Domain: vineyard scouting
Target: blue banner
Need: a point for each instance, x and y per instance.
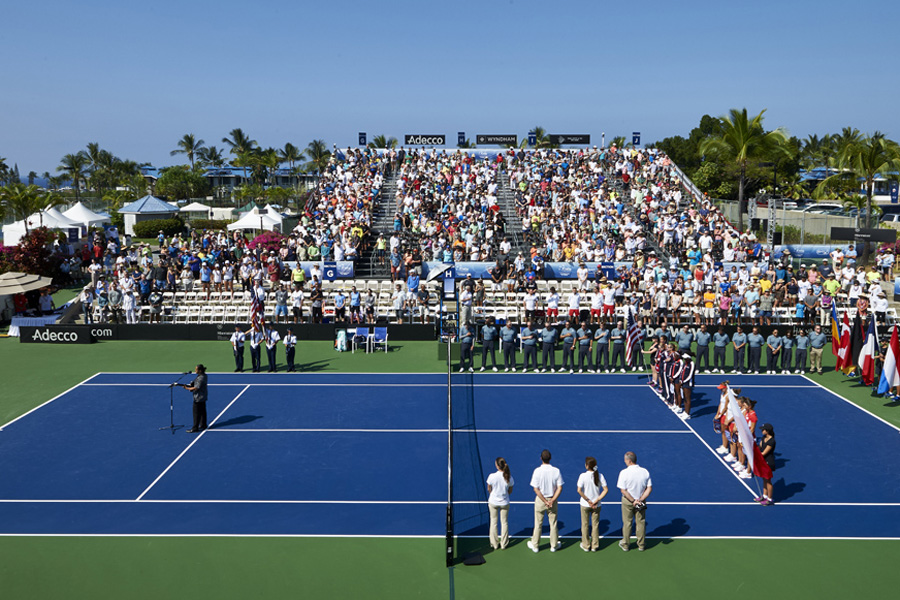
(552, 270)
(345, 268)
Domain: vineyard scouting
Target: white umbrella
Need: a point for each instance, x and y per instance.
(19, 283)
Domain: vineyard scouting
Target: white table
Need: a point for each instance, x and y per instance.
(29, 322)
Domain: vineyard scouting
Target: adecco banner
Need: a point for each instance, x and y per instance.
(423, 139)
(55, 335)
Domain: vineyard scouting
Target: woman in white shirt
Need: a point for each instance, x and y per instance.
(499, 485)
(589, 485)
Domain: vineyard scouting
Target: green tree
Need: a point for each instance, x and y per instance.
(75, 167)
(241, 146)
(180, 183)
(291, 155)
(742, 141)
(382, 141)
(210, 156)
(318, 156)
(22, 200)
(190, 146)
(863, 159)
(31, 177)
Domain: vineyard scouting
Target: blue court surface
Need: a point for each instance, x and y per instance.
(367, 455)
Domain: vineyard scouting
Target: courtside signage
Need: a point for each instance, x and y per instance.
(55, 335)
(423, 139)
(562, 139)
(497, 140)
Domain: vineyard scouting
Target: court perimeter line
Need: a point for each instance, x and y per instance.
(436, 502)
(441, 536)
(434, 385)
(49, 401)
(247, 430)
(871, 414)
(196, 439)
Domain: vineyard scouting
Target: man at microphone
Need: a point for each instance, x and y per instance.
(198, 388)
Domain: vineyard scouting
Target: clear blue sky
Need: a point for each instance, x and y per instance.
(136, 77)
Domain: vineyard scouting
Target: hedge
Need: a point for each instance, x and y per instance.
(212, 224)
(150, 229)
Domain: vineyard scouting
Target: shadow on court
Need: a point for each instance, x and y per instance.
(319, 365)
(783, 490)
(237, 421)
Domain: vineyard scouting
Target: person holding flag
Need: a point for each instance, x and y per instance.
(634, 339)
(757, 463)
(867, 355)
(890, 374)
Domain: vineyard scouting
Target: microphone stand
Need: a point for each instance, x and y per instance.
(172, 426)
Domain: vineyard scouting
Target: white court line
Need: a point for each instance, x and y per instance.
(871, 414)
(475, 431)
(713, 452)
(196, 439)
(441, 536)
(434, 502)
(49, 401)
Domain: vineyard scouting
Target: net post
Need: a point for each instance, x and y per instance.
(449, 535)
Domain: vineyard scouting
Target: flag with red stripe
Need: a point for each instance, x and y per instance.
(633, 337)
(843, 358)
(257, 312)
(890, 374)
(866, 359)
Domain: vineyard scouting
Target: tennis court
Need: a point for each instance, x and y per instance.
(366, 455)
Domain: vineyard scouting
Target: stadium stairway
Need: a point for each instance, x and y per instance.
(506, 200)
(382, 222)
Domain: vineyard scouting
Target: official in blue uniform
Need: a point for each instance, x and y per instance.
(739, 343)
(529, 337)
(488, 343)
(802, 341)
(601, 348)
(508, 341)
(703, 338)
(755, 342)
(720, 343)
(787, 352)
(617, 336)
(583, 339)
(774, 344)
(548, 347)
(567, 335)
(466, 339)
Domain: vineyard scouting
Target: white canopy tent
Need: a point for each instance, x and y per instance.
(272, 212)
(256, 220)
(51, 218)
(82, 214)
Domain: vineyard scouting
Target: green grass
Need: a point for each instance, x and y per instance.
(140, 567)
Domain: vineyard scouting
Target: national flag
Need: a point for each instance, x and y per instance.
(844, 349)
(257, 312)
(760, 467)
(866, 360)
(857, 338)
(743, 429)
(890, 374)
(835, 332)
(632, 337)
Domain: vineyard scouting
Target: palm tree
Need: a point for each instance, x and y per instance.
(743, 140)
(382, 141)
(618, 142)
(75, 166)
(190, 146)
(542, 138)
(318, 154)
(290, 154)
(241, 146)
(25, 200)
(865, 158)
(211, 157)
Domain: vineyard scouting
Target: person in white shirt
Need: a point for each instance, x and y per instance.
(574, 304)
(290, 343)
(499, 485)
(589, 485)
(237, 345)
(547, 483)
(635, 485)
(272, 338)
(129, 305)
(297, 305)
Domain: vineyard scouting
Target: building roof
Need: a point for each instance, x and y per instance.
(148, 205)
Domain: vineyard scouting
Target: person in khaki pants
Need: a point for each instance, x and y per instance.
(817, 345)
(499, 485)
(589, 485)
(547, 482)
(635, 485)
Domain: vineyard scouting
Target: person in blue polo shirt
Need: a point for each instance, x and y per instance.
(508, 346)
(720, 343)
(755, 342)
(466, 339)
(617, 336)
(802, 341)
(702, 338)
(583, 339)
(567, 335)
(684, 338)
(601, 344)
(488, 343)
(548, 347)
(787, 352)
(529, 337)
(739, 345)
(773, 351)
(817, 341)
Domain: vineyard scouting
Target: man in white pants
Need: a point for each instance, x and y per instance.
(547, 482)
(635, 485)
